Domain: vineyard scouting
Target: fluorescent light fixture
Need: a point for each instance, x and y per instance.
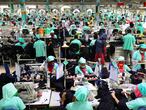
(30, 6)
(4, 6)
(65, 7)
(101, 5)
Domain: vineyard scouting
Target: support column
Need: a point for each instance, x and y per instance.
(82, 4)
(23, 11)
(97, 11)
(12, 7)
(48, 6)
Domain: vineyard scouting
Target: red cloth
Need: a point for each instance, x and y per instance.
(144, 4)
(50, 68)
(142, 56)
(120, 4)
(84, 70)
(137, 92)
(101, 56)
(121, 67)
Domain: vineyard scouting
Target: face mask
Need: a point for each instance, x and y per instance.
(83, 66)
(141, 51)
(120, 65)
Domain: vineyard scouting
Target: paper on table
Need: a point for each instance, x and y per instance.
(97, 69)
(44, 99)
(59, 72)
(17, 68)
(113, 74)
(55, 99)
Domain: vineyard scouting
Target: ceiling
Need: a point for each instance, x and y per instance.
(72, 1)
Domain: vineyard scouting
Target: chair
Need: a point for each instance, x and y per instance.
(74, 48)
(74, 51)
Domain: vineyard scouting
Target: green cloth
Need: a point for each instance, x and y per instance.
(81, 103)
(36, 36)
(40, 48)
(142, 89)
(47, 30)
(135, 104)
(1, 23)
(137, 57)
(85, 20)
(143, 46)
(126, 68)
(73, 26)
(117, 26)
(85, 28)
(76, 41)
(129, 41)
(92, 42)
(9, 99)
(140, 28)
(82, 94)
(137, 18)
(79, 71)
(23, 45)
(65, 62)
(21, 40)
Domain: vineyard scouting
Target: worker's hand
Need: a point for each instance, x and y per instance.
(113, 94)
(79, 77)
(41, 68)
(125, 93)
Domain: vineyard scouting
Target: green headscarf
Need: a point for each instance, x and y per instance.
(50, 58)
(21, 40)
(82, 60)
(142, 89)
(9, 91)
(82, 94)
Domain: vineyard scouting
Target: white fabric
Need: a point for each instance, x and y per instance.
(59, 72)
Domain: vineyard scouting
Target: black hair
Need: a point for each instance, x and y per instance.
(131, 24)
(129, 31)
(138, 31)
(76, 37)
(86, 24)
(95, 35)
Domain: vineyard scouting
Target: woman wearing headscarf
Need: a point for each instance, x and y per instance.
(83, 69)
(81, 100)
(21, 43)
(138, 103)
(121, 69)
(51, 67)
(140, 28)
(139, 56)
(10, 100)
